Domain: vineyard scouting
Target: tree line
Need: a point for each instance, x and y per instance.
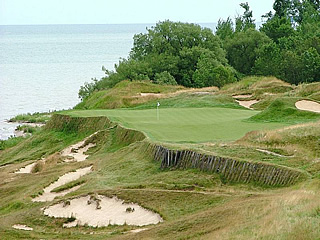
(287, 46)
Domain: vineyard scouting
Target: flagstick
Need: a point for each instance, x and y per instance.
(158, 104)
(157, 112)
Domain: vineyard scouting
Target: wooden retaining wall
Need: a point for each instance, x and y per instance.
(232, 170)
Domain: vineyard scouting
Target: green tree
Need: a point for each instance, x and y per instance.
(268, 61)
(277, 28)
(242, 49)
(164, 78)
(176, 47)
(246, 21)
(224, 29)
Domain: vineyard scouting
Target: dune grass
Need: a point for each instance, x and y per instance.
(185, 124)
(194, 204)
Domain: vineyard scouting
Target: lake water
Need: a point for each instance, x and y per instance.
(43, 66)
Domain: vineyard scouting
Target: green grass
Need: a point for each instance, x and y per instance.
(193, 203)
(284, 110)
(68, 186)
(185, 124)
(32, 118)
(192, 100)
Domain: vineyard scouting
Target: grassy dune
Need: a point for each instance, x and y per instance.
(194, 204)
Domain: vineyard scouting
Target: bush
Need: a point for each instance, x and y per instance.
(164, 78)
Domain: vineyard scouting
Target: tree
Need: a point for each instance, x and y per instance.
(282, 8)
(276, 28)
(245, 22)
(242, 49)
(224, 29)
(164, 78)
(175, 47)
(268, 61)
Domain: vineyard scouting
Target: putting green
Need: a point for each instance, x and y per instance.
(185, 124)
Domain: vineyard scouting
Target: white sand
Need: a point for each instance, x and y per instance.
(308, 106)
(138, 230)
(247, 104)
(66, 178)
(76, 152)
(150, 94)
(112, 211)
(270, 153)
(242, 96)
(26, 169)
(22, 227)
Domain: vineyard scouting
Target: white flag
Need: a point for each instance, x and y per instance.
(158, 104)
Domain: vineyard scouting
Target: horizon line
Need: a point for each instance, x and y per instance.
(47, 24)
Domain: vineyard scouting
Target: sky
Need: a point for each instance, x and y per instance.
(30, 12)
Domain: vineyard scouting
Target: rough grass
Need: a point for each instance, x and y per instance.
(185, 124)
(32, 118)
(258, 86)
(284, 110)
(125, 94)
(194, 204)
(68, 185)
(192, 100)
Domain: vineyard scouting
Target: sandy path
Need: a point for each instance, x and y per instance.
(247, 104)
(308, 106)
(66, 178)
(76, 152)
(22, 227)
(26, 169)
(270, 153)
(110, 211)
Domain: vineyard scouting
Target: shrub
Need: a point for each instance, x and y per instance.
(164, 78)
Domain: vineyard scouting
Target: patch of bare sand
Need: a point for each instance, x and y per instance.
(270, 153)
(247, 104)
(77, 151)
(26, 169)
(66, 178)
(307, 105)
(205, 90)
(102, 211)
(151, 94)
(22, 227)
(138, 230)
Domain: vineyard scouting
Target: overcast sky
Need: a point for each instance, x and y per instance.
(17, 12)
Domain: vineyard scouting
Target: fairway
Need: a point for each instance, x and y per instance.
(185, 124)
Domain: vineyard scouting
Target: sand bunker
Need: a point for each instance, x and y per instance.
(76, 152)
(101, 211)
(247, 104)
(150, 94)
(66, 178)
(26, 169)
(22, 227)
(308, 106)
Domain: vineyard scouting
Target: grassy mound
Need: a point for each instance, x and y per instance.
(284, 110)
(257, 86)
(125, 94)
(311, 91)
